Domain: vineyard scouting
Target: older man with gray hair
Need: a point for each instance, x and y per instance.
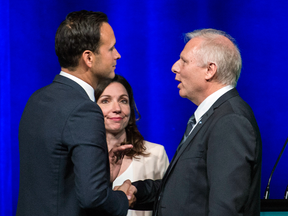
(217, 167)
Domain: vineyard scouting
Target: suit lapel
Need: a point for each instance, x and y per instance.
(203, 120)
(188, 141)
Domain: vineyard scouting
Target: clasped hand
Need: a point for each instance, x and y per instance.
(130, 191)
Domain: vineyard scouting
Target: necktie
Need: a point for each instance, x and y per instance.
(190, 125)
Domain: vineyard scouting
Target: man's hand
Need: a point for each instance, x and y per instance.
(130, 191)
(116, 155)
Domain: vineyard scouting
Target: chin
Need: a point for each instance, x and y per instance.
(112, 75)
(115, 130)
(182, 94)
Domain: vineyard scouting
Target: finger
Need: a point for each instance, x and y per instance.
(124, 148)
(125, 186)
(131, 192)
(120, 149)
(132, 202)
(116, 188)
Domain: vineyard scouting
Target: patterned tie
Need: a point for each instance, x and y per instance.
(190, 125)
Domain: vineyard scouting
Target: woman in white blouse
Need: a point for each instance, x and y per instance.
(146, 160)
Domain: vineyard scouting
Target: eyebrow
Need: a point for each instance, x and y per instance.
(183, 58)
(113, 45)
(105, 96)
(126, 95)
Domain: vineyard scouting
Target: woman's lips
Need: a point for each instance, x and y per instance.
(116, 118)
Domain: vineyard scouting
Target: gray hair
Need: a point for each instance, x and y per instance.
(213, 50)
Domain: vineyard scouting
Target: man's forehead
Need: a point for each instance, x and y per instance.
(107, 34)
(193, 43)
(190, 47)
(105, 29)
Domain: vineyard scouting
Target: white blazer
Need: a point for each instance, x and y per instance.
(149, 167)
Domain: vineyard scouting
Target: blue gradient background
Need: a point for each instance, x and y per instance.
(150, 38)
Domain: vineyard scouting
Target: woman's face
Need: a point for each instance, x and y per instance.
(114, 102)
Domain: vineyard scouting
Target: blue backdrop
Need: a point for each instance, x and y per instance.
(150, 38)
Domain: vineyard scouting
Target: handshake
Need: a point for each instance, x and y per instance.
(130, 191)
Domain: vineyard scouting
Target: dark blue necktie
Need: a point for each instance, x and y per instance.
(191, 123)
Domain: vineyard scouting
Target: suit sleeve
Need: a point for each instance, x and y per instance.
(231, 154)
(84, 134)
(146, 193)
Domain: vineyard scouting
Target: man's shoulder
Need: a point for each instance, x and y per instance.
(60, 96)
(234, 108)
(232, 101)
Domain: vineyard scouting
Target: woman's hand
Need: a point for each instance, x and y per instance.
(116, 155)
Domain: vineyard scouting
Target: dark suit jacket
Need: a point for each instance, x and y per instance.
(64, 167)
(216, 171)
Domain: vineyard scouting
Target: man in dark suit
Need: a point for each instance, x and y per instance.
(216, 169)
(64, 166)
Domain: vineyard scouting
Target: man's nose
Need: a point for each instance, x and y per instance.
(117, 54)
(175, 67)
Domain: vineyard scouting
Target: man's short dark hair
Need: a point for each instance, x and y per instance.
(80, 31)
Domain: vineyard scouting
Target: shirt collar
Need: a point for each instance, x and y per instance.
(209, 101)
(88, 89)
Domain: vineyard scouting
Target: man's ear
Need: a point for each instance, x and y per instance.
(211, 71)
(87, 58)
